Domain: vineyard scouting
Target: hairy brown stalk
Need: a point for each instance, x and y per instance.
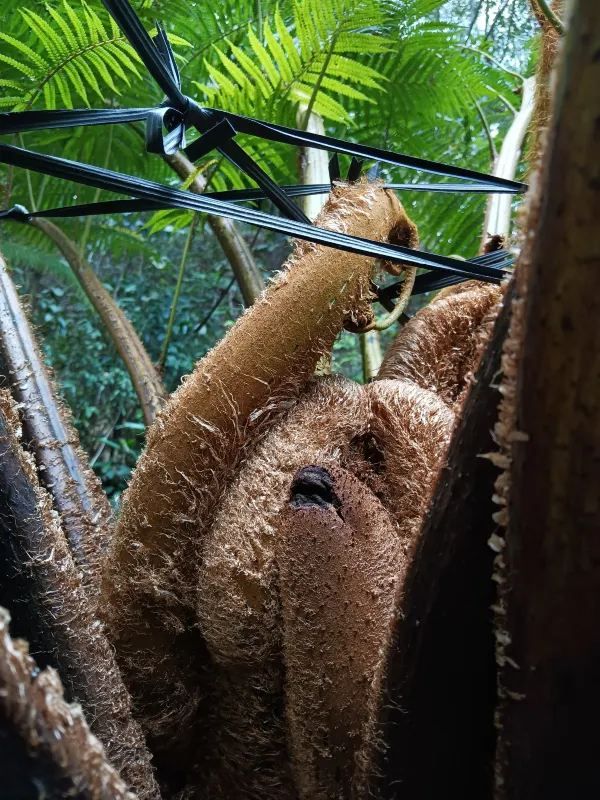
(238, 602)
(235, 247)
(43, 589)
(46, 746)
(391, 435)
(340, 560)
(549, 47)
(548, 565)
(439, 348)
(49, 433)
(193, 450)
(142, 372)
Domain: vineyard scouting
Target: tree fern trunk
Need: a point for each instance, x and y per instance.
(550, 566)
(49, 434)
(46, 747)
(43, 590)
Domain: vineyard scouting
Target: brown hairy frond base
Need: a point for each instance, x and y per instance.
(49, 433)
(46, 747)
(43, 589)
(340, 560)
(194, 448)
(241, 693)
(440, 347)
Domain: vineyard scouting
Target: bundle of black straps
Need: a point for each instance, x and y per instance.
(166, 127)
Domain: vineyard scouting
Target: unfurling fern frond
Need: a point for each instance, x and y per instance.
(70, 57)
(310, 64)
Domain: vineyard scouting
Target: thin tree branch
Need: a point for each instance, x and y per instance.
(142, 372)
(231, 240)
(184, 256)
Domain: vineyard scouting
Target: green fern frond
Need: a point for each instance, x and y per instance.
(311, 63)
(71, 57)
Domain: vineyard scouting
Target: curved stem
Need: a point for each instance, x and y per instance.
(382, 324)
(544, 8)
(486, 129)
(117, 326)
(493, 59)
(176, 294)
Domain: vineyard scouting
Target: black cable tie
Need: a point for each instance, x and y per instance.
(23, 121)
(211, 140)
(160, 120)
(163, 45)
(175, 198)
(17, 213)
(355, 169)
(285, 135)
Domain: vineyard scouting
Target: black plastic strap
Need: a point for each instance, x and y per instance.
(160, 120)
(217, 129)
(176, 198)
(202, 120)
(280, 133)
(23, 121)
(433, 281)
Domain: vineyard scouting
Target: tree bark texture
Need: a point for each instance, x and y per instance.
(49, 434)
(42, 588)
(438, 721)
(549, 645)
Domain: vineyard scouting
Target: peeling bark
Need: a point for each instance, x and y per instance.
(48, 433)
(141, 370)
(549, 573)
(42, 588)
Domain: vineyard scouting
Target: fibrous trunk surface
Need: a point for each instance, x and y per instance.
(44, 592)
(548, 567)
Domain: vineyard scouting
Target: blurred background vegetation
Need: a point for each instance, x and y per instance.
(433, 78)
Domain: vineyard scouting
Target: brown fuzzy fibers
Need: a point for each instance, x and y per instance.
(44, 591)
(411, 429)
(393, 433)
(49, 433)
(238, 604)
(440, 347)
(65, 758)
(240, 385)
(340, 560)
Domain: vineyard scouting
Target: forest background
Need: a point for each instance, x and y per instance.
(440, 79)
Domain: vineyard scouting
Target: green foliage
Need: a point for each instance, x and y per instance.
(432, 78)
(311, 63)
(66, 54)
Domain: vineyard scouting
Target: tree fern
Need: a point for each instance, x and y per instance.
(71, 55)
(312, 64)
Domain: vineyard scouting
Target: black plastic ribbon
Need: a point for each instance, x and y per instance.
(176, 198)
(165, 134)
